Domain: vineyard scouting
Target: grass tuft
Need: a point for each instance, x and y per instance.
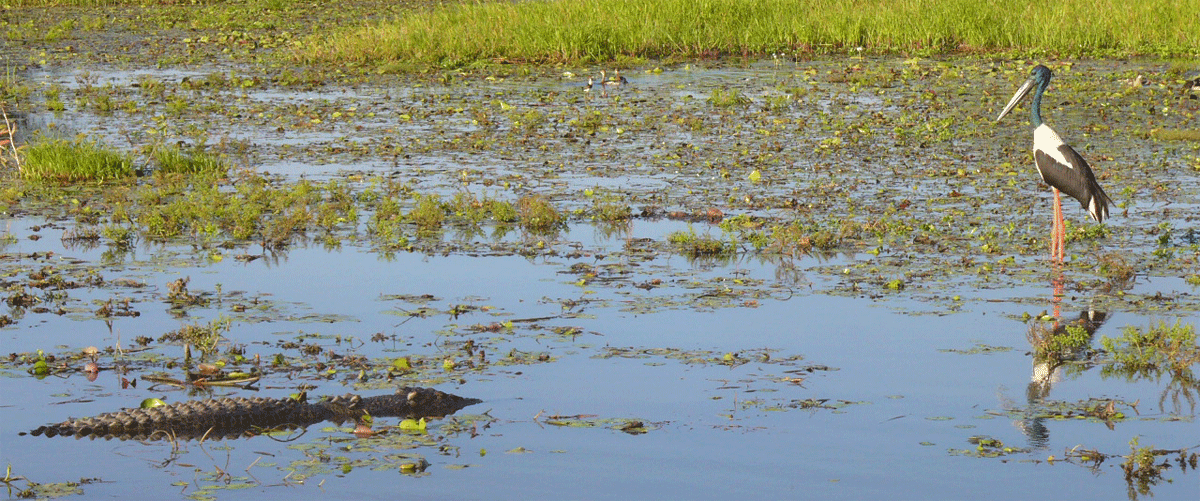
(63, 161)
(172, 160)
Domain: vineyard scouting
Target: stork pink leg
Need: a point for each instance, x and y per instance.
(1059, 231)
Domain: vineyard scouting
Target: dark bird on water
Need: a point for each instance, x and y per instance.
(1060, 166)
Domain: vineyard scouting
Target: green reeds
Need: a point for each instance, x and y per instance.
(589, 31)
(74, 161)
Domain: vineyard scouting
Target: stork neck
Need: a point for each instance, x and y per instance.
(1035, 111)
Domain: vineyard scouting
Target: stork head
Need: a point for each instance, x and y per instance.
(1039, 77)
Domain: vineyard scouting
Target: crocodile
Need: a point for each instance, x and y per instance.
(244, 417)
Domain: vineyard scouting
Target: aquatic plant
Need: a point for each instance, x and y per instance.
(205, 337)
(692, 244)
(173, 160)
(724, 98)
(1054, 343)
(73, 161)
(1161, 348)
(536, 214)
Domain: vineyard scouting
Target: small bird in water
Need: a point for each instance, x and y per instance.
(588, 87)
(617, 79)
(1060, 166)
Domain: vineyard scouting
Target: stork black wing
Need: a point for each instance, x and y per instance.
(1076, 180)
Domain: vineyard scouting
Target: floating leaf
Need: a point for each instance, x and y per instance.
(41, 368)
(413, 425)
(152, 402)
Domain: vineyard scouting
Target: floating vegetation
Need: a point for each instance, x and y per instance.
(988, 447)
(692, 244)
(1160, 349)
(206, 338)
(625, 425)
(536, 214)
(724, 98)
(793, 184)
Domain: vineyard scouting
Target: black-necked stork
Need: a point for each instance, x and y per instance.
(1060, 166)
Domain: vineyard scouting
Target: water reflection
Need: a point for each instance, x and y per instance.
(1054, 345)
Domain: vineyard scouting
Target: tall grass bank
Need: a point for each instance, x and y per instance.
(587, 31)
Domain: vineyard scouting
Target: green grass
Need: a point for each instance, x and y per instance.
(172, 160)
(79, 160)
(1176, 134)
(584, 31)
(1161, 348)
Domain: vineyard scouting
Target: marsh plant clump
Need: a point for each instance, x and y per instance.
(815, 175)
(173, 160)
(74, 161)
(1055, 343)
(693, 244)
(538, 215)
(1160, 349)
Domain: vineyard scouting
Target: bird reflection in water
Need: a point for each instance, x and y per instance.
(1048, 364)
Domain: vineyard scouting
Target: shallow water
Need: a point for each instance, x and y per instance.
(760, 376)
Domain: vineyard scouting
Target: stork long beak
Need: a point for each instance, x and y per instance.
(1021, 93)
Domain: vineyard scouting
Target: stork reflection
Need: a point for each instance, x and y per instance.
(1054, 344)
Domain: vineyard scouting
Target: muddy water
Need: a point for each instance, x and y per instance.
(614, 367)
